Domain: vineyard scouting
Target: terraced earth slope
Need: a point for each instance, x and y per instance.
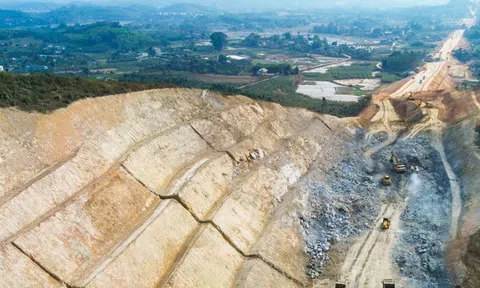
(162, 188)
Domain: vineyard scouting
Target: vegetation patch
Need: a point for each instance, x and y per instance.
(282, 90)
(388, 78)
(402, 61)
(45, 93)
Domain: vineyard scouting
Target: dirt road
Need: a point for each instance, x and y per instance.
(456, 192)
(368, 262)
(422, 81)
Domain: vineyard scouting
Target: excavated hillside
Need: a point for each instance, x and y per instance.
(170, 188)
(189, 188)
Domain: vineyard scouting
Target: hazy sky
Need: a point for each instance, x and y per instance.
(262, 4)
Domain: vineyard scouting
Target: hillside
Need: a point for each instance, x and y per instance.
(190, 188)
(12, 18)
(188, 8)
(135, 189)
(87, 13)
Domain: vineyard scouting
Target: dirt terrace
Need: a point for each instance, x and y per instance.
(173, 188)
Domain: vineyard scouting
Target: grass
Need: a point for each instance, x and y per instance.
(45, 93)
(388, 78)
(280, 90)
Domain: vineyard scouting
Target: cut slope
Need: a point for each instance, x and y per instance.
(163, 187)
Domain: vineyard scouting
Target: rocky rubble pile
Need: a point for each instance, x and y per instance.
(345, 191)
(420, 249)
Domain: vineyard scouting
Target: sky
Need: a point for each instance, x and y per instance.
(261, 4)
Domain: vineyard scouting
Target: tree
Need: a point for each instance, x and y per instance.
(222, 59)
(377, 32)
(252, 40)
(218, 40)
(288, 36)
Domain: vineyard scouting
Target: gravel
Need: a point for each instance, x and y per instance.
(344, 190)
(420, 249)
(345, 202)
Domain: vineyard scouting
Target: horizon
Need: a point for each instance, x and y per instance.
(247, 5)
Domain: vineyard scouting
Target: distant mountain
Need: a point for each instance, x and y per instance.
(189, 8)
(11, 18)
(88, 13)
(461, 2)
(31, 7)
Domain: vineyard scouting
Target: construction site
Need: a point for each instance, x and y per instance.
(189, 188)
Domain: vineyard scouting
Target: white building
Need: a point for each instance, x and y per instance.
(262, 72)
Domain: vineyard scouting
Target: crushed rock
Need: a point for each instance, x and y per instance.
(345, 201)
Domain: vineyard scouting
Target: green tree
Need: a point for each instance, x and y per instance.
(219, 40)
(252, 40)
(222, 59)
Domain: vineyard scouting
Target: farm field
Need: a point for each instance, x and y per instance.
(323, 70)
(366, 84)
(327, 90)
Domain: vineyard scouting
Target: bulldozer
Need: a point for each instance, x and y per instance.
(387, 180)
(398, 166)
(386, 223)
(388, 283)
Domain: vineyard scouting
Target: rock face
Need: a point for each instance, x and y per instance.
(173, 188)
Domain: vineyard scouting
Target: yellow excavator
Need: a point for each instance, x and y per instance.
(398, 166)
(386, 223)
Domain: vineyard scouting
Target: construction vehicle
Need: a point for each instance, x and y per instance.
(387, 180)
(398, 166)
(388, 283)
(340, 285)
(386, 223)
